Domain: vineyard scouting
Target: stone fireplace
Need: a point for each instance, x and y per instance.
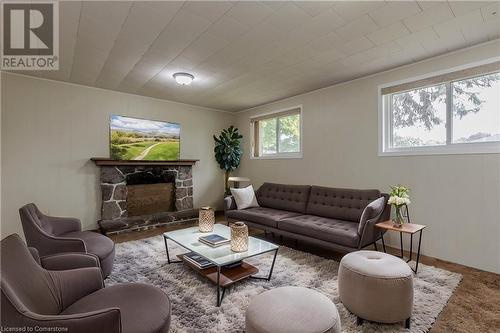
(138, 195)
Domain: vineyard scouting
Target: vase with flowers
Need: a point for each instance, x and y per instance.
(399, 198)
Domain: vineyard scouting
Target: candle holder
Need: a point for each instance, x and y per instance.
(239, 237)
(206, 219)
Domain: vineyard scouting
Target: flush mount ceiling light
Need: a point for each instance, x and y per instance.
(183, 78)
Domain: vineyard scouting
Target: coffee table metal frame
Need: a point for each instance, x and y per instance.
(221, 293)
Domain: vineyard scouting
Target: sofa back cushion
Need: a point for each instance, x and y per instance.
(339, 203)
(292, 198)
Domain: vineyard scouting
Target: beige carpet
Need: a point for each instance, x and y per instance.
(193, 297)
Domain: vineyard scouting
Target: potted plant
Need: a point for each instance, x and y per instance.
(399, 197)
(228, 151)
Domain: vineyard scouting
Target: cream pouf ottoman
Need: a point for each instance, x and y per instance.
(376, 286)
(292, 310)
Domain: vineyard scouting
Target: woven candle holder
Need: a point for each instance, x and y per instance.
(206, 219)
(239, 237)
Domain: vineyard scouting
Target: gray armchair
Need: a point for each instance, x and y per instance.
(74, 300)
(54, 235)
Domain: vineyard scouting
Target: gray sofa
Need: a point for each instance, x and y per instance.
(336, 218)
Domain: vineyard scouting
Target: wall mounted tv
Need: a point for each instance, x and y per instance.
(141, 139)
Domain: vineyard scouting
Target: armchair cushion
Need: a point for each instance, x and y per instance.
(69, 260)
(143, 308)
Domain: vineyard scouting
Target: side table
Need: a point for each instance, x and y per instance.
(406, 228)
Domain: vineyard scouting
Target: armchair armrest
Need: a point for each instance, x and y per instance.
(106, 320)
(76, 283)
(69, 260)
(63, 225)
(48, 244)
(370, 216)
(35, 254)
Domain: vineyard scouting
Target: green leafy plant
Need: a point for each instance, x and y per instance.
(228, 151)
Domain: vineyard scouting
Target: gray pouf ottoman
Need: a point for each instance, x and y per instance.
(376, 286)
(292, 310)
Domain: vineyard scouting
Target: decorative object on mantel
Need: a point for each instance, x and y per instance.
(206, 219)
(237, 180)
(400, 199)
(239, 237)
(228, 152)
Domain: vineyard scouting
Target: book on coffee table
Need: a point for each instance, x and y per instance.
(197, 260)
(214, 240)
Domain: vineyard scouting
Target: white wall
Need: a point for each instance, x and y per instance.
(456, 196)
(51, 129)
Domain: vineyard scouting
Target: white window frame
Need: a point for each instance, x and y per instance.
(385, 122)
(278, 155)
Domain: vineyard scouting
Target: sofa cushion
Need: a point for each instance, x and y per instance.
(261, 215)
(244, 197)
(330, 230)
(339, 203)
(292, 198)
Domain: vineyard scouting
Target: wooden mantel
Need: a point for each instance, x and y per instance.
(103, 161)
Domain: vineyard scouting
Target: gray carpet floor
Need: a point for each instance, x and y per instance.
(193, 297)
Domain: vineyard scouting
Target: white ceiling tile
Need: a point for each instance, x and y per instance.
(211, 10)
(227, 28)
(426, 4)
(323, 23)
(491, 12)
(288, 17)
(394, 11)
(351, 10)
(327, 42)
(462, 7)
(426, 35)
(313, 8)
(357, 28)
(429, 17)
(356, 45)
(388, 33)
(203, 47)
(249, 13)
(458, 24)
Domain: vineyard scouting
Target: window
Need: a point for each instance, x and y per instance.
(456, 112)
(277, 134)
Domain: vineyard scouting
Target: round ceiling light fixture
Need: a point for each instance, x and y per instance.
(183, 78)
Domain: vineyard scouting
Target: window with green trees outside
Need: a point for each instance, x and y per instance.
(277, 134)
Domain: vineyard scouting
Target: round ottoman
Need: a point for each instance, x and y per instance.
(376, 286)
(292, 310)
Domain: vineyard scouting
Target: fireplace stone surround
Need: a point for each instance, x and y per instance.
(116, 175)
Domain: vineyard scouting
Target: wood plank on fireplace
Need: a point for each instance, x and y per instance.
(103, 161)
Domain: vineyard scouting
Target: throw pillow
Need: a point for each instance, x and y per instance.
(371, 211)
(244, 197)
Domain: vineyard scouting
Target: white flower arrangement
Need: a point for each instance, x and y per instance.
(399, 196)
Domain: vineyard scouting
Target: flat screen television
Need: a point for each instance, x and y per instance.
(142, 139)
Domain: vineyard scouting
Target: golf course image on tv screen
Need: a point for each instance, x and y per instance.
(141, 139)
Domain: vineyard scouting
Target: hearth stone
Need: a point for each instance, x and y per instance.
(110, 209)
(145, 222)
(107, 192)
(120, 192)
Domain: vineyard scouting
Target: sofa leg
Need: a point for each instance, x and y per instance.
(359, 321)
(407, 323)
(375, 245)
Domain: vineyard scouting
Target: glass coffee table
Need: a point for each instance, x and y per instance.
(221, 256)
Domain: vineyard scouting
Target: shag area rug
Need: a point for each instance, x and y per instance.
(193, 297)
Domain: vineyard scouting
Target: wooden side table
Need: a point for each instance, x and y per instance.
(406, 228)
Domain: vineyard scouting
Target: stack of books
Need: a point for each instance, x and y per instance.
(197, 260)
(214, 240)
